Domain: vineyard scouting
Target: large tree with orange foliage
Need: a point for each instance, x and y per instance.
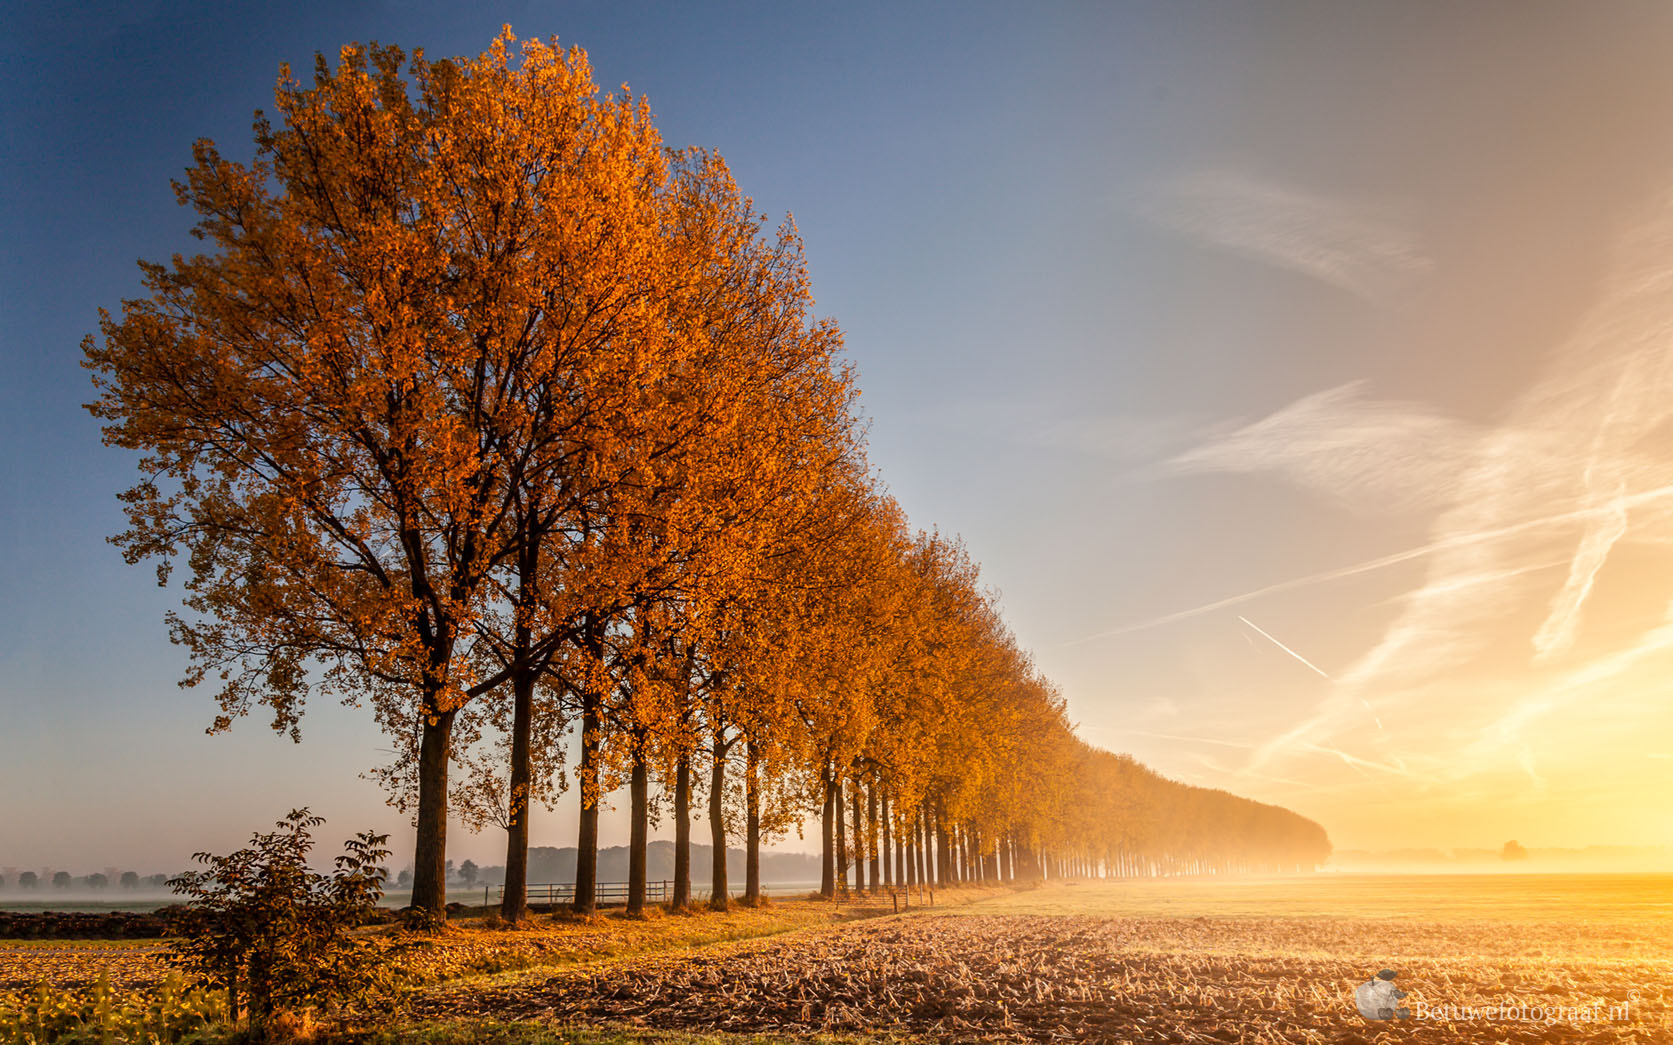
(479, 391)
(438, 286)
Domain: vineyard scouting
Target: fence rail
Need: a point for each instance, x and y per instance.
(553, 893)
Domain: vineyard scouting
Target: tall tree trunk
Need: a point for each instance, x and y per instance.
(919, 837)
(429, 874)
(841, 840)
(871, 837)
(946, 869)
(827, 844)
(514, 901)
(885, 846)
(752, 826)
(717, 820)
(586, 846)
(859, 840)
(903, 879)
(682, 833)
(902, 875)
(638, 834)
(926, 866)
(514, 896)
(592, 727)
(955, 845)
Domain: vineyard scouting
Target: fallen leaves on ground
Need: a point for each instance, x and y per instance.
(73, 965)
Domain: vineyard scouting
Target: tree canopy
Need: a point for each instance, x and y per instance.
(488, 411)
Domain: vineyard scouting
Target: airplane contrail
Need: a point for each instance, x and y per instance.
(1382, 562)
(1286, 649)
(1322, 674)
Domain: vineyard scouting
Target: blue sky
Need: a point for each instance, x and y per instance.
(1156, 304)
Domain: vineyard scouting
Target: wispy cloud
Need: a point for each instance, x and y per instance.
(1451, 583)
(1356, 246)
(1243, 745)
(1368, 455)
(1520, 629)
(1575, 441)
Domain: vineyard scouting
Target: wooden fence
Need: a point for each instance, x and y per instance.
(554, 893)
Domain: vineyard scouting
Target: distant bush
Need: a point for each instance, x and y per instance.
(85, 925)
(61, 880)
(97, 881)
(28, 880)
(130, 879)
(273, 934)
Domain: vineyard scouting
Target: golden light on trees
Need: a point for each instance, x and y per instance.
(485, 409)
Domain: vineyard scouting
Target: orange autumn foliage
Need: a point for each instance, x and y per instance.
(486, 410)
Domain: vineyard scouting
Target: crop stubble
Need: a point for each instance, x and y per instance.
(1009, 978)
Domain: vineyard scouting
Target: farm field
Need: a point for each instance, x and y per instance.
(1271, 961)
(1573, 958)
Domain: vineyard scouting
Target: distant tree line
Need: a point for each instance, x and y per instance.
(96, 880)
(492, 413)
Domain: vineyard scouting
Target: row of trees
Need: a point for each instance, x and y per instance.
(492, 413)
(96, 880)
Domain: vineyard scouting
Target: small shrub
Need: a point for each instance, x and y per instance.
(273, 934)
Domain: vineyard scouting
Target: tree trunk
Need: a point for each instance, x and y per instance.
(859, 840)
(909, 843)
(682, 833)
(919, 838)
(717, 821)
(638, 833)
(514, 901)
(827, 846)
(839, 813)
(903, 877)
(872, 845)
(946, 870)
(885, 846)
(752, 827)
(586, 856)
(429, 864)
(903, 863)
(926, 866)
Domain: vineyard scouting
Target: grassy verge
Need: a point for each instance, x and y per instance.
(86, 996)
(478, 946)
